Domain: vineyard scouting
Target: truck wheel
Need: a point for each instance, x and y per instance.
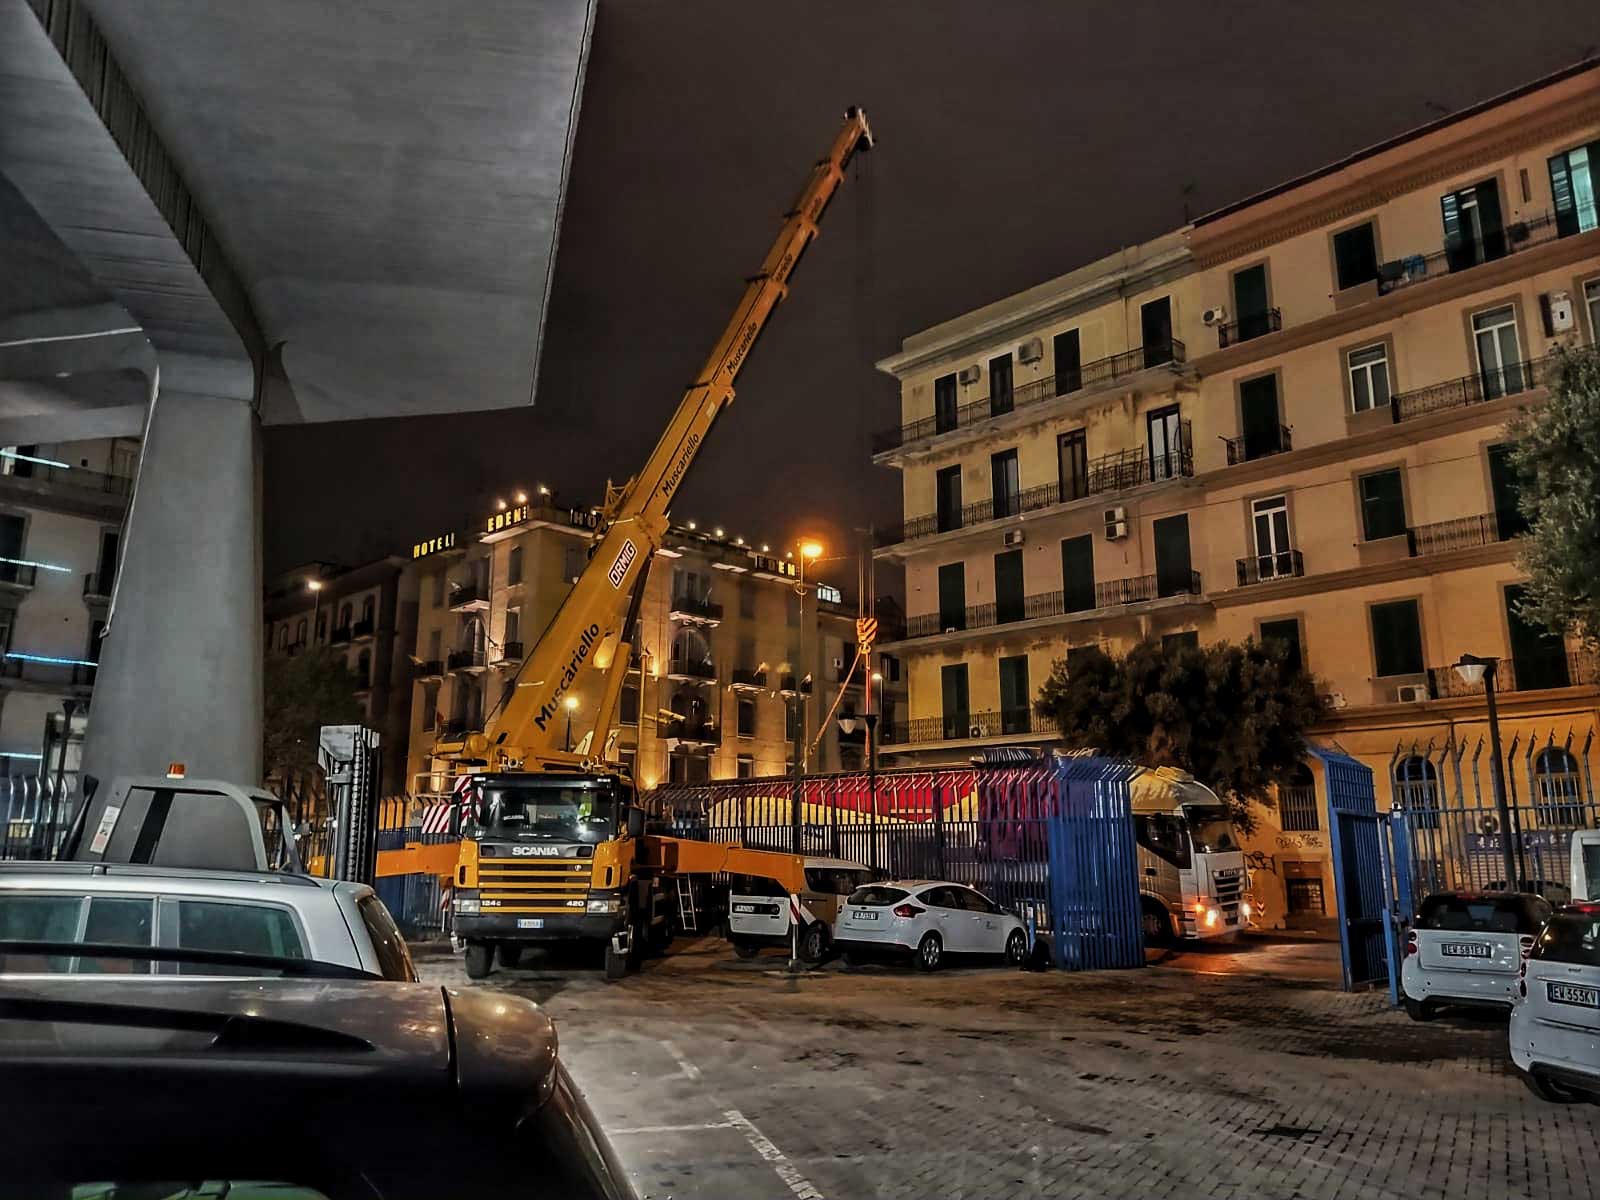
(814, 942)
(510, 955)
(480, 960)
(616, 964)
(930, 952)
(746, 949)
(1157, 925)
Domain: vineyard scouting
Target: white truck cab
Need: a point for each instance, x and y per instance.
(1191, 866)
(759, 910)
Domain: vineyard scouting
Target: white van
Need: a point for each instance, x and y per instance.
(758, 909)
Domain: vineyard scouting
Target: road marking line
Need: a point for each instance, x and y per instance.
(688, 1068)
(643, 1129)
(762, 1145)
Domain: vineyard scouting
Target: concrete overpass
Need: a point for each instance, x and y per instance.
(214, 216)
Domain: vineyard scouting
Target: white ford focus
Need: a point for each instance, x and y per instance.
(929, 920)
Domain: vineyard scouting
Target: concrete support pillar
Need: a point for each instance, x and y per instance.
(180, 668)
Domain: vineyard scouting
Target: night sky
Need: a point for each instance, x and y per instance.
(1016, 142)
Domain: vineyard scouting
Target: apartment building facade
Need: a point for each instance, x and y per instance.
(61, 514)
(368, 615)
(723, 649)
(1285, 421)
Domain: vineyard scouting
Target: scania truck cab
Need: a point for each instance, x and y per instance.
(1191, 866)
(549, 858)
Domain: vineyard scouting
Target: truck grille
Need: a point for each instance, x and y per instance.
(1228, 890)
(521, 885)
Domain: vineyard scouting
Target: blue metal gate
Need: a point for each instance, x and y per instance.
(1360, 870)
(1094, 878)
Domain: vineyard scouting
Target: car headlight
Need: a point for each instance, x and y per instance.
(468, 907)
(605, 906)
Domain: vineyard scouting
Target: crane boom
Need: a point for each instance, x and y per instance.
(574, 670)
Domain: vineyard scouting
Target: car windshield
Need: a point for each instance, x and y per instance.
(548, 812)
(1570, 938)
(876, 896)
(1483, 914)
(1210, 828)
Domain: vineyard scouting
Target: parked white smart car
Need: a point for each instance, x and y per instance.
(930, 920)
(1555, 1026)
(1467, 948)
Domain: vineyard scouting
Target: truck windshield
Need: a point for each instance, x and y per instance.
(1210, 828)
(549, 813)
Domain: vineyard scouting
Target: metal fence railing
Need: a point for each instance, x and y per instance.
(1105, 593)
(1451, 833)
(35, 815)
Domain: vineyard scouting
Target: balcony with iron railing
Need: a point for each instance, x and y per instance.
(1466, 253)
(968, 726)
(1102, 372)
(748, 679)
(697, 609)
(1264, 568)
(362, 630)
(1509, 379)
(510, 654)
(1248, 327)
(1263, 443)
(1119, 471)
(340, 635)
(1107, 594)
(698, 670)
(432, 668)
(465, 660)
(18, 574)
(47, 671)
(464, 597)
(1557, 667)
(62, 475)
(1464, 533)
(694, 733)
(97, 586)
(789, 686)
(452, 731)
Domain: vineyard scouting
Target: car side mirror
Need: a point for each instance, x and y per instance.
(635, 821)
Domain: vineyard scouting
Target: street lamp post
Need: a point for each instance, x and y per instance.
(571, 705)
(314, 586)
(1474, 669)
(810, 549)
(847, 724)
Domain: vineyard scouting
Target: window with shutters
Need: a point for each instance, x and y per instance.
(944, 403)
(1286, 633)
(1494, 335)
(514, 565)
(1355, 256)
(1473, 232)
(628, 704)
(1572, 185)
(1397, 638)
(1383, 505)
(1069, 362)
(747, 718)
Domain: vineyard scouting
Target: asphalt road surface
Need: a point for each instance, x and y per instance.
(1235, 1072)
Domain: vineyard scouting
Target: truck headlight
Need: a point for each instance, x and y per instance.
(468, 907)
(1245, 909)
(605, 906)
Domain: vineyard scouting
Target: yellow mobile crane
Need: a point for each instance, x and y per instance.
(554, 848)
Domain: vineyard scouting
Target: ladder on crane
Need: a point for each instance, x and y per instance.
(688, 919)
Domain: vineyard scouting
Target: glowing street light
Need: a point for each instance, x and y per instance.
(314, 586)
(522, 497)
(571, 705)
(1474, 670)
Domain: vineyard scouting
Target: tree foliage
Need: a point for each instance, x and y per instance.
(1234, 715)
(1556, 453)
(304, 692)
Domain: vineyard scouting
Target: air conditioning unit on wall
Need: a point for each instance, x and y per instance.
(975, 731)
(1411, 693)
(1014, 537)
(1031, 350)
(1215, 316)
(968, 375)
(1116, 523)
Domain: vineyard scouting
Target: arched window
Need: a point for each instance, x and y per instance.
(1297, 802)
(1416, 790)
(300, 633)
(1559, 799)
(322, 627)
(344, 616)
(367, 610)
(283, 637)
(514, 565)
(364, 669)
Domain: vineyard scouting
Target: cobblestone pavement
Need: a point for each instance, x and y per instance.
(1240, 1073)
